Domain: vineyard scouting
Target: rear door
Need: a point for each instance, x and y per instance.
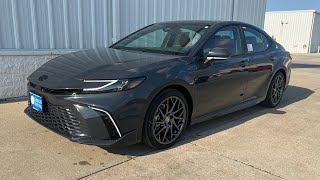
(221, 83)
(261, 61)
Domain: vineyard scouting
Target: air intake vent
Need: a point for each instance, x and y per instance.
(59, 118)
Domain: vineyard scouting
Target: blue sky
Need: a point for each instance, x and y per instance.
(287, 5)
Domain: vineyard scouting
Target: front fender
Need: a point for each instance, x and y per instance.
(154, 92)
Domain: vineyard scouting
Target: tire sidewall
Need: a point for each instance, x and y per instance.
(268, 101)
(148, 137)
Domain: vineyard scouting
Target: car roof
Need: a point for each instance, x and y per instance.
(201, 22)
(189, 22)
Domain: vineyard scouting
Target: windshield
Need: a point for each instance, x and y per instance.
(174, 39)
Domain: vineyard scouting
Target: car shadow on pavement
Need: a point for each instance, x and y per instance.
(292, 95)
(299, 65)
(13, 100)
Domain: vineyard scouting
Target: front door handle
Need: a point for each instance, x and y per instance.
(244, 63)
(272, 58)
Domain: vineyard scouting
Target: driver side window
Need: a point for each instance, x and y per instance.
(228, 37)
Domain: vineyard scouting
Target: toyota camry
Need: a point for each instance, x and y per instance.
(152, 84)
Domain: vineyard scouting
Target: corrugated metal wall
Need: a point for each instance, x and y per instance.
(292, 29)
(251, 11)
(139, 13)
(315, 39)
(55, 24)
(78, 24)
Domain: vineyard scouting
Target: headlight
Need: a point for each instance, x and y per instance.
(100, 86)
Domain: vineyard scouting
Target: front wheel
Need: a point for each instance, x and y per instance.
(166, 119)
(275, 91)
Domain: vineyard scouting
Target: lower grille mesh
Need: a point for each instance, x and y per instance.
(59, 118)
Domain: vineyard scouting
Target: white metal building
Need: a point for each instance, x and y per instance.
(297, 31)
(34, 31)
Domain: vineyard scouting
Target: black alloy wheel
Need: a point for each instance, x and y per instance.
(275, 91)
(166, 119)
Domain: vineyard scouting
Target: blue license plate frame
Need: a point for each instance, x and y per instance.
(36, 101)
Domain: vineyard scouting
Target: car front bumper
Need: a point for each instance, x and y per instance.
(108, 119)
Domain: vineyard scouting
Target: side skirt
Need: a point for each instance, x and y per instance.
(225, 111)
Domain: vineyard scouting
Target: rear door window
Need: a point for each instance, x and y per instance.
(256, 41)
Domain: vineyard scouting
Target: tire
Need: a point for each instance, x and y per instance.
(166, 119)
(275, 91)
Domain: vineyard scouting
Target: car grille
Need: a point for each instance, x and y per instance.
(59, 118)
(56, 91)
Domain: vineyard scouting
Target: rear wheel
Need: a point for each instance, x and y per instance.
(166, 119)
(275, 91)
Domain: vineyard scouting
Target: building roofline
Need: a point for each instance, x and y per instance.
(293, 11)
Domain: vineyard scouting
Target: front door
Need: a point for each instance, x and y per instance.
(222, 83)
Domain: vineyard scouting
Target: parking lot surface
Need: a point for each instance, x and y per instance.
(256, 143)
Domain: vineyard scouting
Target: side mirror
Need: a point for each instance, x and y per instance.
(218, 54)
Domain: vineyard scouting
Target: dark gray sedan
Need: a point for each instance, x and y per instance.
(155, 82)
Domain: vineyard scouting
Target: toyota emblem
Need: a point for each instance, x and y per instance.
(43, 77)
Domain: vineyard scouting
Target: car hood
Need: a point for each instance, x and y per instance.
(69, 71)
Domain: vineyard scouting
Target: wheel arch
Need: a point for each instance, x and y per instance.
(281, 70)
(186, 94)
(179, 86)
(266, 101)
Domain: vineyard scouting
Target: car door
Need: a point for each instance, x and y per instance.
(221, 83)
(261, 59)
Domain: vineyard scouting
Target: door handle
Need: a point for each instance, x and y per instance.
(272, 58)
(244, 62)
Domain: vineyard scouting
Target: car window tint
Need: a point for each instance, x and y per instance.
(189, 34)
(164, 38)
(152, 39)
(228, 37)
(184, 38)
(256, 42)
